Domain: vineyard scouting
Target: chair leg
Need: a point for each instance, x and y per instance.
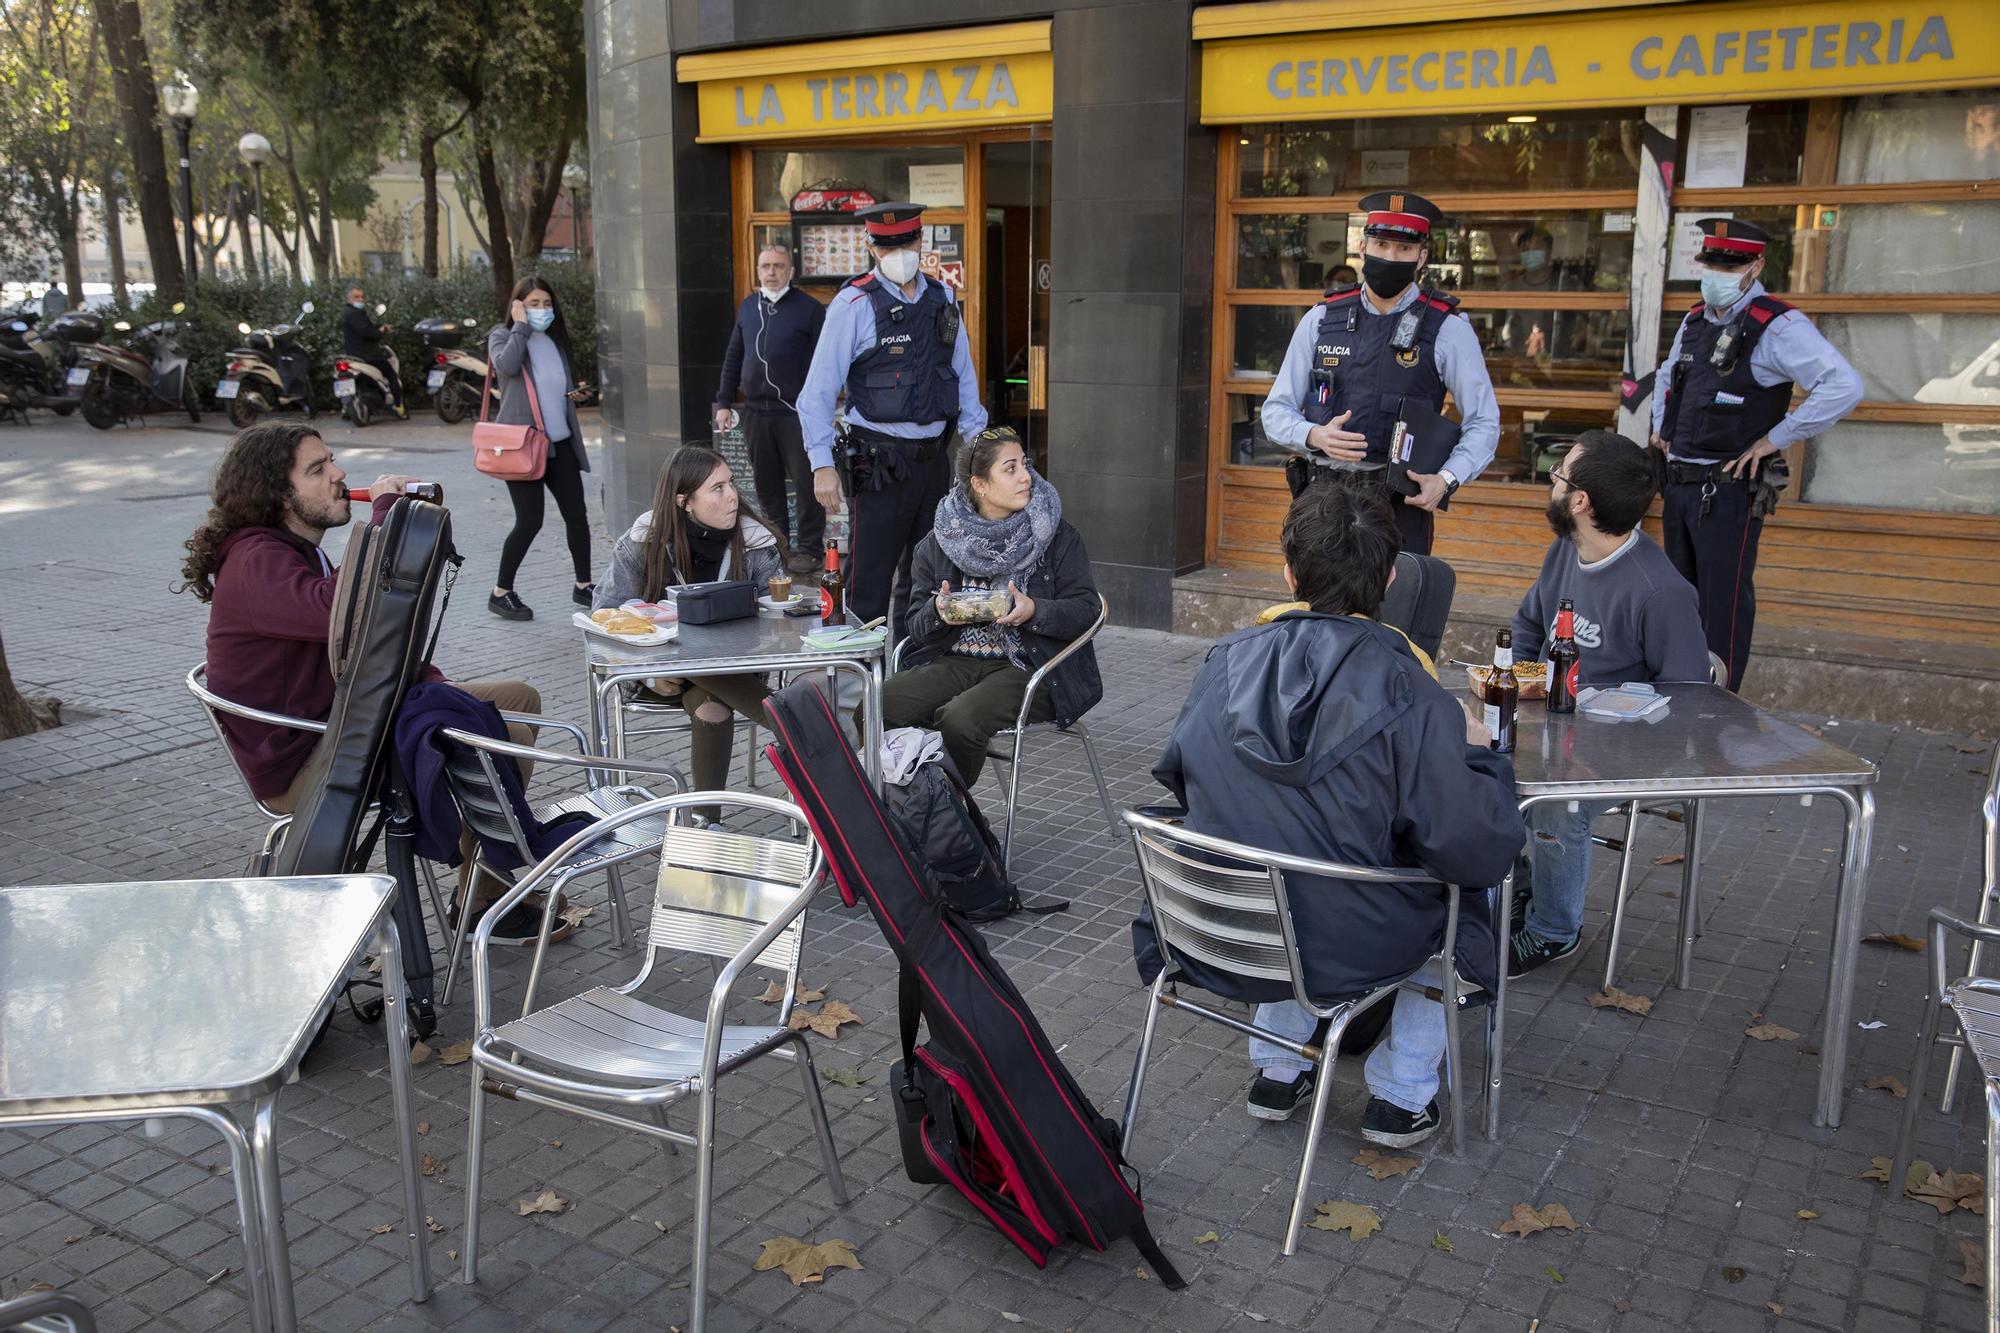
(1454, 1081)
(750, 756)
(1138, 1084)
(429, 872)
(1013, 804)
(1624, 892)
(1322, 1096)
(704, 1200)
(822, 1129)
(621, 910)
(475, 1147)
(549, 902)
(1103, 793)
(1992, 1206)
(1971, 970)
(465, 915)
(660, 1114)
(1934, 1007)
(260, 861)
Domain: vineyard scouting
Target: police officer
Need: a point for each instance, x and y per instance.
(1725, 411)
(894, 341)
(1368, 349)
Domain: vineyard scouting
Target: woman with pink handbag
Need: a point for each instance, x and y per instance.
(534, 440)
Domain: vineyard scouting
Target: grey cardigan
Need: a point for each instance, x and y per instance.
(507, 353)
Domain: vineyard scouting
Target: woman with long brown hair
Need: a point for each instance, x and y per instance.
(531, 347)
(698, 530)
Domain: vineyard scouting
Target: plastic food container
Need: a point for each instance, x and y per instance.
(1533, 677)
(660, 613)
(976, 606)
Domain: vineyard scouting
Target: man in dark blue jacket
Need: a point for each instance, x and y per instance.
(770, 349)
(1321, 735)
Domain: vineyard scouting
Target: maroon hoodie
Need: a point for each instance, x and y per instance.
(267, 631)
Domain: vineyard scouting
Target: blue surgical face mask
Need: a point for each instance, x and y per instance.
(540, 317)
(1534, 258)
(359, 305)
(1721, 290)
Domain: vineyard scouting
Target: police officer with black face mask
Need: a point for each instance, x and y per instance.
(1370, 355)
(894, 341)
(1725, 410)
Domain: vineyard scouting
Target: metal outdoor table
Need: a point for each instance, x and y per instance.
(1710, 745)
(751, 646)
(184, 999)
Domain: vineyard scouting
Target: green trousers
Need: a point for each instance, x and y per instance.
(710, 743)
(965, 700)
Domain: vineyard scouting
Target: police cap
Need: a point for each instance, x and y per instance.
(1398, 215)
(892, 224)
(1731, 242)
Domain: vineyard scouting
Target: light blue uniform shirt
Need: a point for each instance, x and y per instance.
(1461, 365)
(849, 332)
(1790, 350)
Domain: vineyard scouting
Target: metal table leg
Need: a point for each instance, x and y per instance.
(1848, 909)
(396, 1032)
(271, 1206)
(1497, 1020)
(243, 1176)
(1690, 923)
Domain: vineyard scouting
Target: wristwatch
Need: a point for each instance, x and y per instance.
(1450, 482)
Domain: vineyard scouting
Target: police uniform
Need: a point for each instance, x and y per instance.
(906, 369)
(1348, 355)
(1730, 376)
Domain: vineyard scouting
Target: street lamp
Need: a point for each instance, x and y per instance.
(577, 178)
(181, 99)
(255, 149)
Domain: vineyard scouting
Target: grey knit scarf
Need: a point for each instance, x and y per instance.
(999, 549)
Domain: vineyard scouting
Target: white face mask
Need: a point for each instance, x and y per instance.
(898, 266)
(772, 293)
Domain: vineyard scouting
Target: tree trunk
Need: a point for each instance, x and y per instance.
(114, 237)
(139, 110)
(542, 203)
(498, 247)
(20, 714)
(427, 163)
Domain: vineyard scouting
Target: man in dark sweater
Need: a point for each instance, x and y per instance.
(770, 350)
(256, 560)
(1636, 619)
(361, 340)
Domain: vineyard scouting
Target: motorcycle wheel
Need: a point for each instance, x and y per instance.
(246, 407)
(98, 407)
(358, 411)
(191, 400)
(450, 403)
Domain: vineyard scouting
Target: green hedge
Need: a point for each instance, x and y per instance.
(220, 306)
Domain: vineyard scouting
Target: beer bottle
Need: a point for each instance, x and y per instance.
(1502, 693)
(832, 590)
(1564, 661)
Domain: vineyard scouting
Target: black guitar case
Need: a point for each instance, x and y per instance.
(380, 639)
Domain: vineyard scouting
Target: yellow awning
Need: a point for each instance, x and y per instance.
(762, 62)
(1265, 17)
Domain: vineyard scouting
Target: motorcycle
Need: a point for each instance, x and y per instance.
(273, 373)
(363, 390)
(456, 375)
(150, 374)
(38, 366)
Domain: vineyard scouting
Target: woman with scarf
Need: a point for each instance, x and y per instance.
(1000, 527)
(698, 531)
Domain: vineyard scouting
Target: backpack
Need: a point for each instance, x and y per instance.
(985, 1105)
(939, 818)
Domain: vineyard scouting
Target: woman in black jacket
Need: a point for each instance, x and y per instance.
(1002, 528)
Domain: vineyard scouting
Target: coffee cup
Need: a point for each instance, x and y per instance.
(781, 587)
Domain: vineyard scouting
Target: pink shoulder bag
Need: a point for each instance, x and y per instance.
(511, 453)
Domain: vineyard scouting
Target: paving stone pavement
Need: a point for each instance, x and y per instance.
(1684, 1148)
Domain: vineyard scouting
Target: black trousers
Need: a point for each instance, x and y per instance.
(1713, 543)
(1417, 525)
(886, 526)
(778, 453)
(563, 479)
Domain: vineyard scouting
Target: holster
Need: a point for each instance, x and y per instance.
(1298, 474)
(1772, 478)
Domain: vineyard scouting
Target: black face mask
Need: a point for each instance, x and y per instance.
(1387, 277)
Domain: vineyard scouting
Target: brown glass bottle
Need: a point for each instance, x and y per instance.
(1502, 694)
(1563, 660)
(832, 590)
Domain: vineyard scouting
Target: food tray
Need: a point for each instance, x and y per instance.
(975, 606)
(661, 634)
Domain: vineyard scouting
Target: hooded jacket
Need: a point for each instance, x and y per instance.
(1322, 736)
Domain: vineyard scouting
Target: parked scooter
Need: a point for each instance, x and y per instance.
(456, 374)
(38, 364)
(150, 374)
(362, 389)
(272, 374)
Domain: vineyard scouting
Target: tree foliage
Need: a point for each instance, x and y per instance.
(56, 132)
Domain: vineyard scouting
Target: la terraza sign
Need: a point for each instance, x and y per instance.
(928, 94)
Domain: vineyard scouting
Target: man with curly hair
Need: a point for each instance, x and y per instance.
(256, 561)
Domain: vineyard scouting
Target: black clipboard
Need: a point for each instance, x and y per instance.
(1421, 442)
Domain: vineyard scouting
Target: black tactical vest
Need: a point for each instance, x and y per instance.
(1716, 412)
(1355, 364)
(907, 374)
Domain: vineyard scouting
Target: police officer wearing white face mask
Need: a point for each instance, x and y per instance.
(1724, 411)
(895, 343)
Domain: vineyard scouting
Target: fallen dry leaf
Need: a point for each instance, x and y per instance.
(1207, 1238)
(39, 1286)
(1358, 1220)
(1554, 1276)
(1807, 1214)
(1526, 1221)
(432, 1167)
(1946, 1190)
(1775, 1307)
(1888, 1083)
(774, 992)
(659, 1226)
(847, 1076)
(434, 1225)
(827, 1022)
(1974, 1259)
(574, 914)
(423, 1127)
(1771, 1032)
(451, 1254)
(420, 1053)
(1442, 1242)
(1909, 943)
(1613, 998)
(1382, 1165)
(1622, 1306)
(545, 1202)
(1733, 1274)
(374, 966)
(1142, 1275)
(1670, 859)
(382, 1230)
(1970, 749)
(804, 1263)
(457, 1053)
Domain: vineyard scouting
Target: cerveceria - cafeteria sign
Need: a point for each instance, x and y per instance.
(1700, 53)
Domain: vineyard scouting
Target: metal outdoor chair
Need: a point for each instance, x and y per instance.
(999, 747)
(45, 1312)
(610, 1057)
(1419, 599)
(1989, 901)
(1224, 904)
(674, 720)
(1974, 1002)
(1685, 813)
(471, 771)
(214, 704)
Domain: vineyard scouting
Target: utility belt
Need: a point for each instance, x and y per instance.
(870, 460)
(1765, 487)
(1302, 471)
